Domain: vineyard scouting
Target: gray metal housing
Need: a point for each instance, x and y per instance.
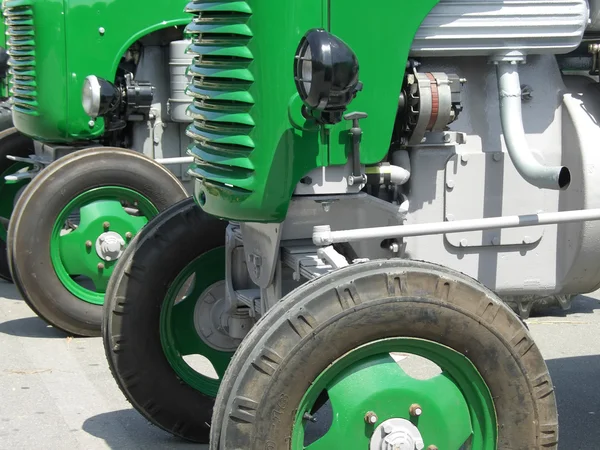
(486, 28)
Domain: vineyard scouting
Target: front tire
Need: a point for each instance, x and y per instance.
(71, 224)
(150, 327)
(336, 335)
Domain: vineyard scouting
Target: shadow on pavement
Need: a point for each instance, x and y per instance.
(120, 428)
(9, 291)
(582, 304)
(576, 380)
(32, 327)
(577, 384)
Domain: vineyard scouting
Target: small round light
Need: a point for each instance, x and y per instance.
(91, 96)
(99, 96)
(326, 74)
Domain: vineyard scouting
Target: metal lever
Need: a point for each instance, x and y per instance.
(356, 132)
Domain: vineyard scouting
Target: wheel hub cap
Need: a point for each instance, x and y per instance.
(110, 246)
(397, 434)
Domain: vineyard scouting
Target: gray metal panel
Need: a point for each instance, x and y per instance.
(497, 27)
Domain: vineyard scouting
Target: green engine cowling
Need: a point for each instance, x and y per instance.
(55, 44)
(252, 143)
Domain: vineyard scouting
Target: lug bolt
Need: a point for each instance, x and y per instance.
(88, 244)
(100, 266)
(415, 410)
(106, 225)
(128, 235)
(371, 418)
(432, 447)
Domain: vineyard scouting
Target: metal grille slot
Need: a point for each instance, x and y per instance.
(21, 50)
(222, 104)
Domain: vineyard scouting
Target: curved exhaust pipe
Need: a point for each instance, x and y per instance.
(539, 175)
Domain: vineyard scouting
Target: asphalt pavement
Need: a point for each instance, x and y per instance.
(56, 392)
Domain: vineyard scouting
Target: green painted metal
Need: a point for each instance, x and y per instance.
(252, 144)
(69, 253)
(457, 405)
(177, 331)
(59, 43)
(9, 191)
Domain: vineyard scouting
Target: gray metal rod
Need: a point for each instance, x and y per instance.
(173, 161)
(322, 235)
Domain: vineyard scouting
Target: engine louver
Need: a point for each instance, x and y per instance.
(222, 104)
(21, 50)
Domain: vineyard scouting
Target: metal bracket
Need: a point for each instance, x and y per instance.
(332, 257)
(261, 245)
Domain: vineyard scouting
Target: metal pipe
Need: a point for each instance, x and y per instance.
(322, 235)
(173, 161)
(539, 175)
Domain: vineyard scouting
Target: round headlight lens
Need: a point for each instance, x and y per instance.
(91, 96)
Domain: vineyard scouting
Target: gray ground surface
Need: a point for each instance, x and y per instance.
(57, 392)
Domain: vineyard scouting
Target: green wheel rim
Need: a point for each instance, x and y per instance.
(178, 333)
(74, 253)
(457, 405)
(9, 191)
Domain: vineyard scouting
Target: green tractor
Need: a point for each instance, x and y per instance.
(97, 148)
(370, 180)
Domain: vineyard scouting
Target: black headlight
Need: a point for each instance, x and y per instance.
(326, 73)
(99, 97)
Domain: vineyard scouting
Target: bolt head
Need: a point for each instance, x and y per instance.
(106, 225)
(464, 242)
(88, 244)
(387, 429)
(497, 156)
(496, 241)
(432, 447)
(92, 123)
(128, 235)
(371, 418)
(415, 410)
(450, 184)
(101, 30)
(464, 158)
(100, 266)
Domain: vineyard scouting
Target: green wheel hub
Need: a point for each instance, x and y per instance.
(367, 387)
(74, 248)
(9, 191)
(197, 283)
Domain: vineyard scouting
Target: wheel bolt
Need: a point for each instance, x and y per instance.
(128, 235)
(88, 244)
(106, 225)
(371, 418)
(432, 447)
(415, 410)
(100, 266)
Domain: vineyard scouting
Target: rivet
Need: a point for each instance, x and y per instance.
(464, 158)
(527, 240)
(497, 156)
(496, 241)
(106, 225)
(92, 123)
(371, 418)
(101, 30)
(447, 137)
(100, 266)
(450, 184)
(464, 242)
(415, 410)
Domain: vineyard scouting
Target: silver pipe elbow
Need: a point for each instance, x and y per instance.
(535, 173)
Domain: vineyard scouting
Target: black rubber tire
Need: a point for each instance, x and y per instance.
(11, 143)
(371, 301)
(135, 295)
(36, 211)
